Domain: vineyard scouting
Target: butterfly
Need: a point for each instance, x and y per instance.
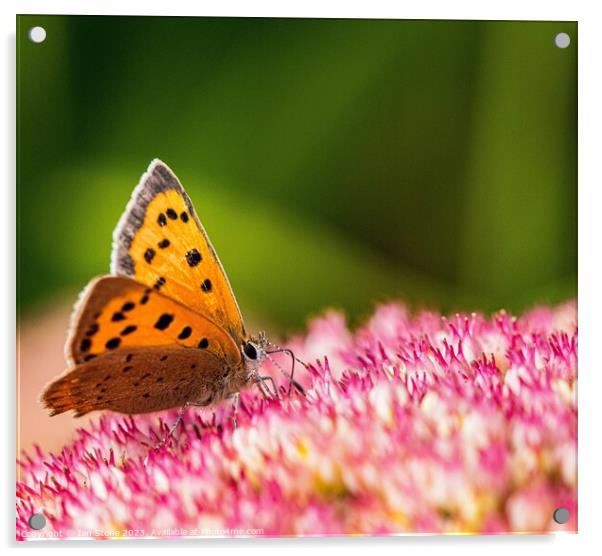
(163, 330)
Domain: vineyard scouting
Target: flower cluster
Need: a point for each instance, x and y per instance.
(414, 423)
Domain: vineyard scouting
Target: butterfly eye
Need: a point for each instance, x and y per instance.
(250, 351)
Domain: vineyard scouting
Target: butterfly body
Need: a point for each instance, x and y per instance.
(163, 329)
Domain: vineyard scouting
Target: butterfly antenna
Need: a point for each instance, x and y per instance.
(292, 382)
(277, 348)
(277, 365)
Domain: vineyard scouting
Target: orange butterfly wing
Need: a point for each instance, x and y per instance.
(116, 313)
(161, 243)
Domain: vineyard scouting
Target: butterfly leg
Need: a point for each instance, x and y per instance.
(262, 389)
(262, 379)
(173, 428)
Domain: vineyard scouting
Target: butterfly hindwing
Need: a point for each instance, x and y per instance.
(138, 380)
(117, 313)
(161, 243)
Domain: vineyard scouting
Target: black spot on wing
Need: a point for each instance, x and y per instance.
(206, 285)
(193, 257)
(186, 332)
(204, 343)
(160, 282)
(113, 343)
(149, 255)
(85, 345)
(163, 243)
(128, 330)
(171, 213)
(164, 321)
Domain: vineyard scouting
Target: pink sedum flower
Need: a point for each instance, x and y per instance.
(411, 424)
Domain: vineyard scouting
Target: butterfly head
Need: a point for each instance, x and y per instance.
(254, 352)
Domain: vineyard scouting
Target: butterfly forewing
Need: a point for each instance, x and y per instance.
(116, 313)
(161, 243)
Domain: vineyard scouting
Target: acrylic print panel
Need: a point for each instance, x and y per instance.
(389, 343)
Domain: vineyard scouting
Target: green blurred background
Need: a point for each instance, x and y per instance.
(335, 163)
